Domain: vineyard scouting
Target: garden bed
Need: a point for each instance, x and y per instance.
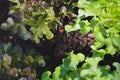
(53, 50)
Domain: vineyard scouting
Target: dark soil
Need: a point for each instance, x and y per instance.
(4, 9)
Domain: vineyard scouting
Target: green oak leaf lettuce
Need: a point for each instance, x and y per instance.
(90, 70)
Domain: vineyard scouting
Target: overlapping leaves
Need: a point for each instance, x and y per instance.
(90, 70)
(105, 23)
(38, 17)
(11, 58)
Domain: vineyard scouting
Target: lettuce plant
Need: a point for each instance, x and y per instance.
(104, 24)
(39, 17)
(90, 70)
(11, 58)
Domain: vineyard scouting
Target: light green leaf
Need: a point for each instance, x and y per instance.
(49, 35)
(117, 72)
(92, 70)
(99, 37)
(97, 45)
(50, 12)
(56, 74)
(70, 28)
(85, 26)
(35, 14)
(30, 22)
(37, 34)
(110, 48)
(83, 13)
(70, 63)
(46, 75)
(116, 41)
(85, 30)
(99, 53)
